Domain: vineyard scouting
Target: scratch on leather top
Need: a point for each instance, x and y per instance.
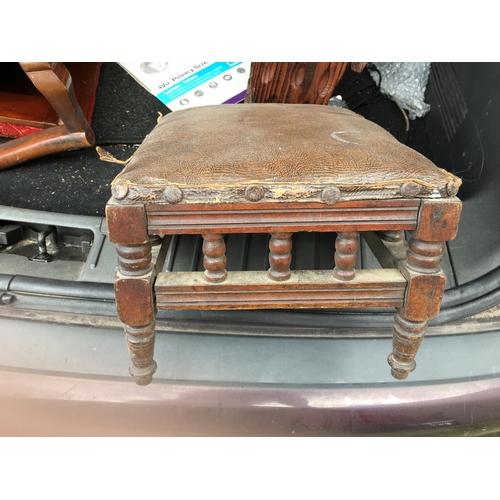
(213, 153)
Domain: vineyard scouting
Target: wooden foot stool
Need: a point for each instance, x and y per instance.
(279, 169)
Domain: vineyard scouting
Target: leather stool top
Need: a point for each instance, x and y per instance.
(275, 153)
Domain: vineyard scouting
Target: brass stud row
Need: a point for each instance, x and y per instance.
(329, 195)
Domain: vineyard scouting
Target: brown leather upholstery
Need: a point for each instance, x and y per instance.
(274, 153)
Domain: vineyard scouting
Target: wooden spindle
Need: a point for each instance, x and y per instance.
(280, 256)
(346, 247)
(214, 258)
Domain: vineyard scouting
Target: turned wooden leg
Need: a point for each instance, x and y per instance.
(136, 309)
(214, 258)
(437, 223)
(280, 256)
(141, 345)
(346, 246)
(406, 339)
(424, 256)
(426, 284)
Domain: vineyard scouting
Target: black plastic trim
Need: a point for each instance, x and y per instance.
(81, 297)
(59, 288)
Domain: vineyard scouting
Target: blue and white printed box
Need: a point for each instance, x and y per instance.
(185, 85)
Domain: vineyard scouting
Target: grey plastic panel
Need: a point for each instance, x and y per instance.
(212, 359)
(101, 261)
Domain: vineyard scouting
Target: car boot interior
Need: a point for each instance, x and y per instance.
(457, 134)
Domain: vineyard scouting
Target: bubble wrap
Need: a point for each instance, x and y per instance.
(405, 83)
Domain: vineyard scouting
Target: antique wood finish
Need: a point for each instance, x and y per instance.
(135, 303)
(232, 184)
(140, 343)
(134, 260)
(54, 82)
(127, 225)
(280, 256)
(214, 258)
(367, 215)
(424, 256)
(303, 289)
(438, 219)
(135, 307)
(419, 262)
(437, 223)
(294, 82)
(346, 246)
(406, 339)
(423, 293)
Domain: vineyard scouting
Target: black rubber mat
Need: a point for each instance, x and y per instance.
(125, 112)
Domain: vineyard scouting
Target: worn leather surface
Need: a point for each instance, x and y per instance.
(289, 152)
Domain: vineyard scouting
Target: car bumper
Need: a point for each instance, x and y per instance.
(61, 380)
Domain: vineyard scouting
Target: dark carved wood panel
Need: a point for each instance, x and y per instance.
(294, 82)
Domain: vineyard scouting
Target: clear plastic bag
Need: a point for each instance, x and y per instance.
(405, 83)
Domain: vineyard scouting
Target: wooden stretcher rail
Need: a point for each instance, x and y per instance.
(355, 217)
(304, 289)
